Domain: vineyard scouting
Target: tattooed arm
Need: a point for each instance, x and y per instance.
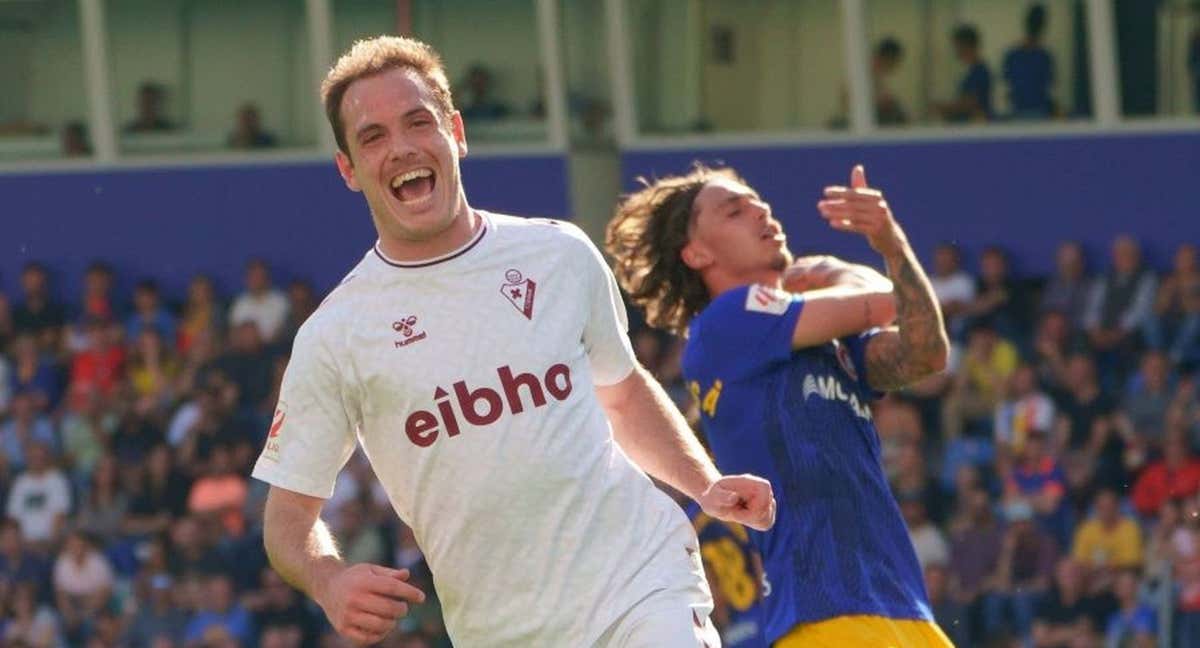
(917, 346)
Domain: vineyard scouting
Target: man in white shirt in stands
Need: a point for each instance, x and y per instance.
(40, 497)
(954, 288)
(261, 304)
(479, 360)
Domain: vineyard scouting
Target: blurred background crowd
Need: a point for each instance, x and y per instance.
(1049, 478)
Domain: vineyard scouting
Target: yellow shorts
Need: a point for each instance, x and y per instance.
(866, 631)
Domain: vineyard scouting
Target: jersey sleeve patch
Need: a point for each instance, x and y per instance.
(764, 299)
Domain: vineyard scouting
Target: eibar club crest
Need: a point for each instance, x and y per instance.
(519, 292)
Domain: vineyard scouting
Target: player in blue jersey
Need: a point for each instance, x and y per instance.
(784, 358)
(734, 571)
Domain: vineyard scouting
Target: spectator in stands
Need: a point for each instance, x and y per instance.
(1037, 477)
(954, 288)
(248, 132)
(260, 303)
(97, 299)
(1193, 64)
(161, 497)
(477, 101)
(278, 609)
(219, 609)
(1184, 554)
(83, 581)
(1069, 616)
(1108, 541)
(221, 493)
(1025, 408)
(24, 428)
(1054, 342)
(247, 363)
(157, 616)
(38, 314)
(149, 313)
(1121, 300)
(979, 384)
(18, 562)
(912, 479)
(302, 302)
(75, 140)
(1085, 421)
(6, 323)
(884, 62)
(1029, 70)
(999, 297)
(190, 551)
(1134, 623)
(1176, 475)
(34, 373)
(1067, 290)
(974, 100)
(104, 504)
(203, 313)
(101, 364)
(976, 538)
(950, 614)
(40, 498)
(150, 119)
(1023, 573)
(1142, 418)
(152, 370)
(1174, 325)
(30, 623)
(927, 538)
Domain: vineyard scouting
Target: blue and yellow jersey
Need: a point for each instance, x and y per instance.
(735, 571)
(800, 418)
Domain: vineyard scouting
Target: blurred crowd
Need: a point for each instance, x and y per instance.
(1049, 477)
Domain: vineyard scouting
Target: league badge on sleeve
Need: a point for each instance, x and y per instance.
(764, 299)
(271, 451)
(519, 292)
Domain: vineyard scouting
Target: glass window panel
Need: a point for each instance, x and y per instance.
(490, 50)
(1159, 57)
(43, 108)
(209, 75)
(717, 65)
(583, 42)
(939, 77)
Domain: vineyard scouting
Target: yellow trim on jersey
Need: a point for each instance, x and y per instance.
(865, 631)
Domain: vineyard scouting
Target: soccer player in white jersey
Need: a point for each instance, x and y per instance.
(479, 360)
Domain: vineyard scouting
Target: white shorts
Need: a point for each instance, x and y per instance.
(665, 619)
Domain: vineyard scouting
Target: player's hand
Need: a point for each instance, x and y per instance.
(744, 499)
(364, 601)
(859, 208)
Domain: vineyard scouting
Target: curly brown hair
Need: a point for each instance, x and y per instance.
(645, 238)
(374, 56)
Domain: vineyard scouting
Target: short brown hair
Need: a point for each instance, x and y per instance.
(377, 55)
(645, 238)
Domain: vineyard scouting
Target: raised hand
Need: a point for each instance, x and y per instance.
(744, 499)
(859, 208)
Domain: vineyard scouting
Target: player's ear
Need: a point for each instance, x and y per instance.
(346, 168)
(694, 256)
(460, 133)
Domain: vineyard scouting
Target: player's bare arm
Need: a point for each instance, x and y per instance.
(840, 299)
(650, 429)
(362, 601)
(917, 346)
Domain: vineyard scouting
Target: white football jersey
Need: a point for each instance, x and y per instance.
(469, 381)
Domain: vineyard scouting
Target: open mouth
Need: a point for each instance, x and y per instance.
(414, 186)
(772, 233)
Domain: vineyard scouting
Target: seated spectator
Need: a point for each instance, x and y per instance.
(912, 479)
(279, 609)
(1174, 324)
(1024, 409)
(302, 302)
(97, 302)
(1176, 475)
(150, 119)
(156, 616)
(203, 314)
(1029, 70)
(1134, 623)
(149, 313)
(219, 609)
(1023, 573)
(152, 370)
(475, 96)
(30, 623)
(976, 538)
(247, 364)
(1069, 615)
(248, 132)
(34, 373)
(953, 287)
(1143, 415)
(949, 613)
(260, 303)
(18, 562)
(1000, 298)
(1036, 477)
(1085, 422)
(974, 100)
(75, 140)
(899, 424)
(1054, 342)
(101, 364)
(87, 428)
(1108, 541)
(24, 428)
(1121, 301)
(986, 367)
(83, 581)
(1184, 553)
(1067, 290)
(40, 498)
(162, 495)
(39, 315)
(927, 539)
(221, 493)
